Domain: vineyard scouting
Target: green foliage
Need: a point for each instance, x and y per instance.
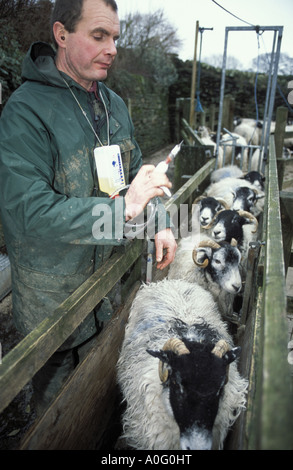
(10, 62)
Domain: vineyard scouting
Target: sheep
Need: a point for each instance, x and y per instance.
(250, 129)
(208, 208)
(288, 141)
(234, 148)
(212, 265)
(231, 225)
(193, 399)
(206, 138)
(256, 179)
(228, 189)
(232, 171)
(228, 171)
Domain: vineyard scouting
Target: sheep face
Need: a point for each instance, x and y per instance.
(222, 265)
(208, 208)
(244, 199)
(256, 178)
(194, 387)
(228, 224)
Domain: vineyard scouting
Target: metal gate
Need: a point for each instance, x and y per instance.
(270, 95)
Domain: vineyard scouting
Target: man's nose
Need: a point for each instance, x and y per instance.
(111, 48)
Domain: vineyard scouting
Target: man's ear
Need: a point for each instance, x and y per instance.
(60, 33)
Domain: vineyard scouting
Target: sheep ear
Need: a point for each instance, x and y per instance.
(162, 355)
(202, 256)
(232, 355)
(164, 367)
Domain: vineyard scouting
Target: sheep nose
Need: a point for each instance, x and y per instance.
(236, 288)
(216, 234)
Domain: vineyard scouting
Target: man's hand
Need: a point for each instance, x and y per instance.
(145, 186)
(165, 240)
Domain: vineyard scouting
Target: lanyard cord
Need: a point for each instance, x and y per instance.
(85, 115)
(128, 225)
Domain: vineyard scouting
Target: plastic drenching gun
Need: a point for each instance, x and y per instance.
(164, 165)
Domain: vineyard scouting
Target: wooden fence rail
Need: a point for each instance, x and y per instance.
(267, 422)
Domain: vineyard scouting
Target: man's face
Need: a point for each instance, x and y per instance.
(90, 50)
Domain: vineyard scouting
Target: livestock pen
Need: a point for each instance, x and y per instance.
(81, 417)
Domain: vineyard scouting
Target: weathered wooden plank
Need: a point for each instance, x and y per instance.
(286, 204)
(275, 424)
(191, 185)
(82, 412)
(281, 121)
(250, 432)
(190, 132)
(20, 364)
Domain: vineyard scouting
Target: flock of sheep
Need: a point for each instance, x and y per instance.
(177, 368)
(243, 145)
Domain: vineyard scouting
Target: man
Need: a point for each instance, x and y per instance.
(49, 185)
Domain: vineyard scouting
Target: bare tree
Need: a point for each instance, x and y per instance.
(216, 60)
(148, 30)
(145, 46)
(264, 60)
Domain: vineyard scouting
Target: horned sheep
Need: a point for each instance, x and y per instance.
(214, 266)
(173, 371)
(231, 190)
(206, 209)
(238, 225)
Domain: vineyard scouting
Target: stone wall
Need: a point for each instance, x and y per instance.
(149, 113)
(148, 107)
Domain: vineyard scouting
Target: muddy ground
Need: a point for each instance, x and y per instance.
(19, 415)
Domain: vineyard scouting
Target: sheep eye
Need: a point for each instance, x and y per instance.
(217, 261)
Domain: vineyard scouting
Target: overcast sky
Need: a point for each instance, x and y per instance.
(183, 14)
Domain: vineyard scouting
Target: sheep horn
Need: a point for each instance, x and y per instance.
(199, 198)
(251, 217)
(233, 242)
(203, 244)
(224, 203)
(206, 227)
(178, 347)
(209, 243)
(200, 265)
(221, 347)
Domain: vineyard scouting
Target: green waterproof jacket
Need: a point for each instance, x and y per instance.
(49, 190)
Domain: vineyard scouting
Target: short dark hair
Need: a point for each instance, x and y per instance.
(69, 13)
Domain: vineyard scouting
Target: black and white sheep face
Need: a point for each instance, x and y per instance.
(244, 199)
(228, 225)
(194, 387)
(208, 208)
(256, 178)
(223, 266)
